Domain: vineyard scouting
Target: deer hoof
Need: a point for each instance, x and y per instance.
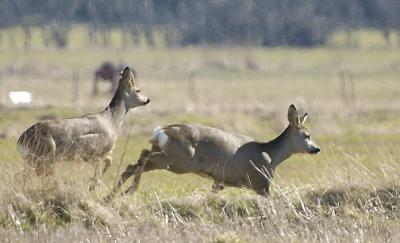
(108, 198)
(93, 185)
(216, 187)
(130, 190)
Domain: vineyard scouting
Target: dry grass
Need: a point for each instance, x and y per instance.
(345, 212)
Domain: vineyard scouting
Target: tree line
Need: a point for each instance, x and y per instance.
(190, 22)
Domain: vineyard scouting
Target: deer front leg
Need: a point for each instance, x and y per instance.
(107, 164)
(262, 190)
(94, 181)
(217, 186)
(98, 173)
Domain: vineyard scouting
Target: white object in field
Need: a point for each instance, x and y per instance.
(20, 97)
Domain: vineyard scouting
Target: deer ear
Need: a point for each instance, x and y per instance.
(303, 118)
(126, 72)
(293, 116)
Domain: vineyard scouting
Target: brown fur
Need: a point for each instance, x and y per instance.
(89, 138)
(229, 159)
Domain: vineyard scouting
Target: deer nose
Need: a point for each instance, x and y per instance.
(147, 101)
(317, 150)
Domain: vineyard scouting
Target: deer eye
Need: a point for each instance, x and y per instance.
(307, 136)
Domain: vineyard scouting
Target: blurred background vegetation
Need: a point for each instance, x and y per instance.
(304, 23)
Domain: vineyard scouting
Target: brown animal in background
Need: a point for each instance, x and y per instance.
(229, 159)
(107, 72)
(89, 138)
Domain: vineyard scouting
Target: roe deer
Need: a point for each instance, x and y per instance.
(89, 138)
(229, 159)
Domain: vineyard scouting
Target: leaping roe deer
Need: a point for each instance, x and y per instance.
(90, 138)
(229, 159)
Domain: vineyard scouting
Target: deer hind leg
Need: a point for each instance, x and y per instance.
(43, 159)
(150, 161)
(129, 171)
(146, 162)
(44, 167)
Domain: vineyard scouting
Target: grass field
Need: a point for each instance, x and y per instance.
(349, 192)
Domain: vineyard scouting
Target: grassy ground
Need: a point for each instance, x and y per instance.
(349, 192)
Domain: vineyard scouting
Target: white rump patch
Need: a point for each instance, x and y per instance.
(160, 136)
(192, 151)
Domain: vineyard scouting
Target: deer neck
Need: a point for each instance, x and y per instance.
(279, 149)
(117, 109)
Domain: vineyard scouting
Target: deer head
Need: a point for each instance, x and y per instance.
(298, 134)
(129, 90)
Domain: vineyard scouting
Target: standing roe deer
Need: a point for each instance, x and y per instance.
(89, 138)
(229, 159)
